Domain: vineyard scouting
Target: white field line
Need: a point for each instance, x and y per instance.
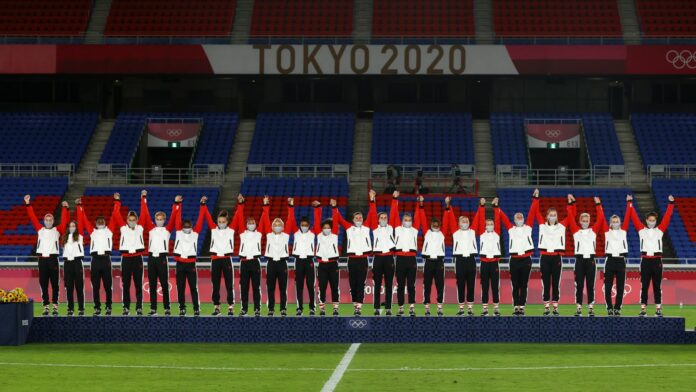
(337, 374)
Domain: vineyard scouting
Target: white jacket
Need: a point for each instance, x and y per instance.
(101, 241)
(464, 243)
(433, 245)
(615, 244)
(277, 246)
(327, 247)
(383, 239)
(222, 241)
(303, 244)
(490, 245)
(552, 237)
(358, 240)
(132, 239)
(520, 240)
(186, 245)
(47, 242)
(406, 239)
(74, 249)
(158, 240)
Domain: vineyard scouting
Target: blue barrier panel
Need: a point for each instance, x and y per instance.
(361, 329)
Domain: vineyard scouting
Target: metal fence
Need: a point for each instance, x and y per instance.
(271, 170)
(200, 174)
(37, 170)
(522, 175)
(671, 172)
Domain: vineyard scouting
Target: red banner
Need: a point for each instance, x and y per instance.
(173, 132)
(678, 287)
(566, 135)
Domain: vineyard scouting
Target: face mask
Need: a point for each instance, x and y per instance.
(382, 223)
(615, 226)
(160, 223)
(552, 219)
(132, 224)
(277, 229)
(408, 224)
(72, 230)
(222, 226)
(100, 227)
(251, 227)
(519, 222)
(48, 224)
(584, 225)
(435, 229)
(489, 228)
(651, 225)
(357, 223)
(304, 229)
(187, 230)
(463, 226)
(326, 231)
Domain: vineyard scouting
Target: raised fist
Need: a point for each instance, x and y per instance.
(143, 193)
(629, 198)
(395, 194)
(316, 203)
(291, 201)
(266, 200)
(332, 202)
(117, 196)
(372, 194)
(78, 201)
(27, 199)
(65, 204)
(670, 198)
(597, 200)
(421, 199)
(240, 198)
(536, 193)
(448, 200)
(178, 199)
(482, 201)
(204, 199)
(571, 198)
(495, 202)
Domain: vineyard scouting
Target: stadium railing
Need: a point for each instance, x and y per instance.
(515, 175)
(671, 171)
(199, 174)
(37, 170)
(297, 170)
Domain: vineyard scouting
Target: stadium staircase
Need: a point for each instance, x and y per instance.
(362, 21)
(483, 21)
(90, 160)
(236, 168)
(483, 154)
(97, 21)
(242, 21)
(629, 22)
(360, 168)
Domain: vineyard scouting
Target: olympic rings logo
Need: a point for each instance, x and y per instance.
(357, 323)
(174, 132)
(553, 132)
(627, 290)
(681, 59)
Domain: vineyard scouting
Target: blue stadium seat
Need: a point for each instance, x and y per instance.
(665, 138)
(45, 137)
(422, 138)
(303, 138)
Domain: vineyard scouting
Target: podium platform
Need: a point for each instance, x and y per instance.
(668, 330)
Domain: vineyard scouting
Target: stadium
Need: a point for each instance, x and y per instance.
(336, 195)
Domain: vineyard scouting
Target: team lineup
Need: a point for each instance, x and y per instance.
(390, 240)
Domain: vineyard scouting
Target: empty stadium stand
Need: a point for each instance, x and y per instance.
(659, 18)
(303, 138)
(99, 201)
(17, 235)
(214, 145)
(53, 18)
(613, 202)
(510, 146)
(310, 18)
(45, 137)
(178, 18)
(548, 18)
(665, 138)
(423, 18)
(422, 138)
(682, 227)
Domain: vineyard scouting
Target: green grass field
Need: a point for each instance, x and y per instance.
(686, 311)
(374, 367)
